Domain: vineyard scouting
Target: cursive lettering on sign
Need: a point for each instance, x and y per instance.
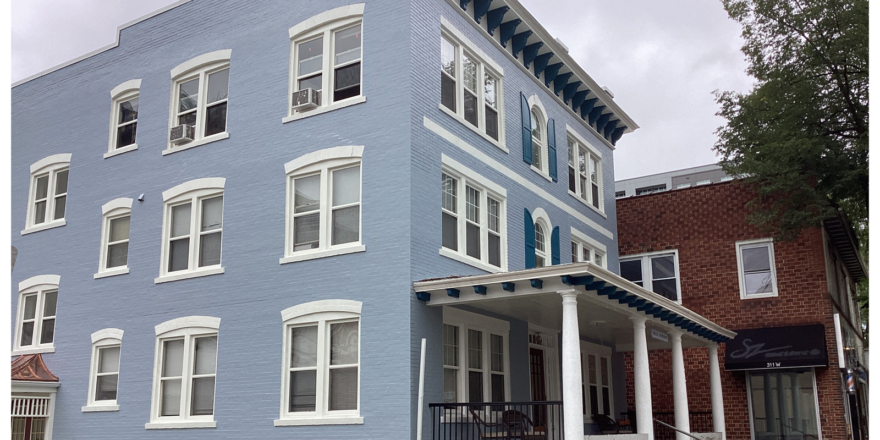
(751, 350)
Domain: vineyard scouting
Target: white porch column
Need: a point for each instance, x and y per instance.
(641, 370)
(572, 409)
(715, 390)
(679, 387)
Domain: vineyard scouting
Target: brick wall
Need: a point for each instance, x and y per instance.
(703, 224)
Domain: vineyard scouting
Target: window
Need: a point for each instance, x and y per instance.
(540, 246)
(757, 268)
(475, 362)
(617, 194)
(326, 55)
(104, 372)
(650, 189)
(324, 204)
(657, 272)
(123, 118)
(473, 218)
(537, 138)
(542, 240)
(321, 364)
(585, 172)
(192, 230)
(35, 326)
(48, 193)
(200, 92)
(114, 238)
(470, 84)
(185, 373)
(597, 391)
(585, 248)
(774, 417)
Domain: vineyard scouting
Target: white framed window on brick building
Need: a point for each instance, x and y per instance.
(115, 226)
(104, 371)
(323, 204)
(474, 217)
(192, 230)
(585, 171)
(655, 271)
(199, 101)
(185, 373)
(35, 319)
(475, 357)
(757, 268)
(586, 248)
(321, 364)
(471, 86)
(47, 199)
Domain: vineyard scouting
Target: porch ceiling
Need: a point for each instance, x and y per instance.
(605, 306)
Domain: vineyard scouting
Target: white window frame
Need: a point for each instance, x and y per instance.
(187, 328)
(101, 339)
(590, 153)
(485, 66)
(466, 177)
(22, 391)
(197, 68)
(124, 92)
(761, 242)
(588, 248)
(537, 107)
(540, 217)
(193, 192)
(39, 286)
(322, 314)
(751, 408)
(325, 24)
(112, 210)
(488, 326)
(48, 166)
(323, 163)
(599, 351)
(648, 274)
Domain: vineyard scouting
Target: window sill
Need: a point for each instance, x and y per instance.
(470, 261)
(198, 143)
(321, 110)
(119, 151)
(112, 272)
(541, 173)
(100, 408)
(42, 227)
(320, 421)
(188, 275)
(758, 295)
(587, 204)
(467, 124)
(22, 351)
(323, 253)
(180, 425)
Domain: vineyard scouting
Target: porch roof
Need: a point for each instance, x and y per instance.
(607, 299)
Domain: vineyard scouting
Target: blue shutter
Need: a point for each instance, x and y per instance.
(526, 129)
(554, 246)
(551, 148)
(530, 240)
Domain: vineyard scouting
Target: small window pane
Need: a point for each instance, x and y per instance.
(210, 249)
(306, 232)
(494, 250)
(759, 282)
(119, 228)
(473, 240)
(27, 334)
(347, 82)
(218, 86)
(470, 108)
(497, 352)
(307, 194)
(304, 347)
(303, 391)
(49, 300)
(475, 386)
(187, 119)
(108, 360)
(663, 267)
(756, 259)
(574, 252)
(536, 126)
(310, 56)
(179, 255)
(450, 345)
(494, 216)
(171, 397)
(203, 396)
(450, 385)
(498, 388)
(212, 214)
(128, 111)
(450, 232)
(105, 387)
(539, 237)
(39, 212)
(343, 389)
(189, 95)
(473, 205)
(631, 270)
(491, 123)
(125, 135)
(475, 349)
(450, 200)
(344, 343)
(447, 92)
(313, 82)
(595, 200)
(447, 57)
(347, 186)
(594, 399)
(30, 306)
(348, 45)
(666, 288)
(216, 120)
(181, 215)
(206, 356)
(591, 368)
(603, 362)
(606, 401)
(172, 365)
(42, 187)
(47, 331)
(489, 93)
(469, 71)
(346, 225)
(61, 182)
(60, 205)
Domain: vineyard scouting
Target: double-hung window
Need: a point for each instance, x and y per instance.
(470, 84)
(585, 172)
(48, 194)
(35, 320)
(324, 204)
(597, 391)
(475, 362)
(584, 248)
(124, 117)
(540, 245)
(114, 238)
(199, 101)
(192, 229)
(473, 217)
(104, 372)
(657, 272)
(757, 268)
(185, 373)
(321, 364)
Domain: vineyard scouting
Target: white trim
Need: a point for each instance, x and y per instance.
(647, 271)
(37, 286)
(327, 305)
(201, 61)
(588, 240)
(119, 151)
(207, 322)
(43, 226)
(112, 272)
(541, 173)
(100, 408)
(573, 133)
(453, 316)
(21, 351)
(208, 183)
(324, 109)
(540, 214)
(179, 425)
(344, 152)
(107, 333)
(470, 261)
(320, 422)
(492, 163)
(535, 101)
(128, 86)
(39, 280)
(470, 126)
(27, 386)
(196, 143)
(122, 202)
(739, 267)
(450, 28)
(349, 11)
(191, 274)
(316, 254)
(472, 175)
(112, 210)
(53, 160)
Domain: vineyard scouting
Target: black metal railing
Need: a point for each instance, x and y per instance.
(496, 421)
(700, 421)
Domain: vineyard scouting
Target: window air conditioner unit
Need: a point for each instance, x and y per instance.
(182, 134)
(306, 99)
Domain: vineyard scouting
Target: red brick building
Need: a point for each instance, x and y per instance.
(695, 246)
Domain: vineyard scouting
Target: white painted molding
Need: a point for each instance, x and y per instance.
(577, 136)
(201, 60)
(327, 305)
(339, 13)
(454, 316)
(187, 322)
(192, 185)
(45, 162)
(534, 101)
(540, 214)
(458, 35)
(39, 280)
(122, 202)
(346, 152)
(588, 240)
(107, 333)
(314, 421)
(458, 168)
(132, 84)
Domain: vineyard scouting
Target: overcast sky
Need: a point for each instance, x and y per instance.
(662, 60)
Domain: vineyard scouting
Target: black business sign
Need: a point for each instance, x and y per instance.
(779, 347)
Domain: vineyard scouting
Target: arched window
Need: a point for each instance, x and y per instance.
(537, 139)
(199, 92)
(48, 195)
(104, 376)
(123, 118)
(114, 238)
(35, 320)
(540, 246)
